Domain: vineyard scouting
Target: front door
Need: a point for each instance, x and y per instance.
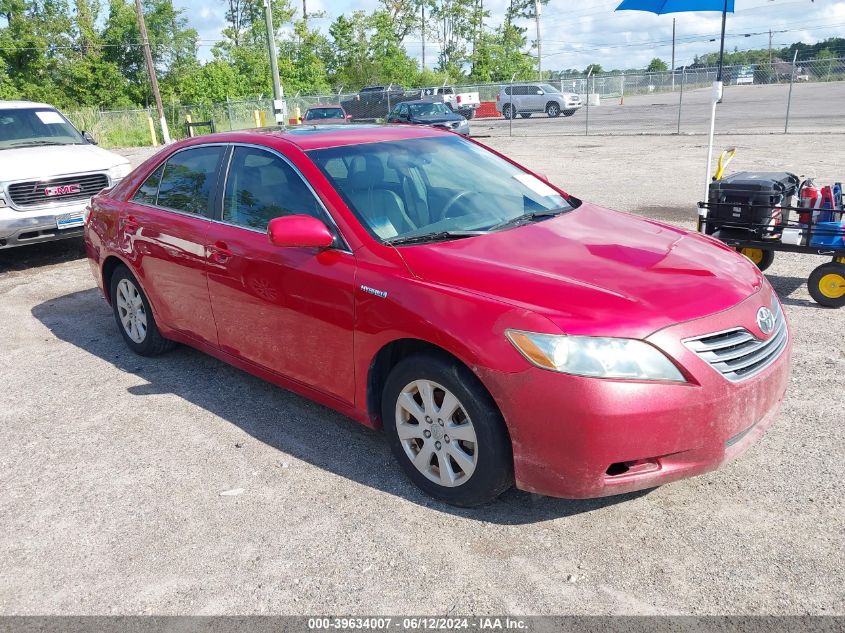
(289, 310)
(164, 228)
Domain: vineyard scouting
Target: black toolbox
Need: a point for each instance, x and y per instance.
(749, 202)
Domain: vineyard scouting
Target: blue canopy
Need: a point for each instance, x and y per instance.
(675, 6)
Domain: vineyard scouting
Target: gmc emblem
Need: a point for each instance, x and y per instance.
(62, 190)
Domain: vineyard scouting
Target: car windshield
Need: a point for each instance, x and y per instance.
(426, 109)
(33, 127)
(547, 88)
(438, 187)
(318, 114)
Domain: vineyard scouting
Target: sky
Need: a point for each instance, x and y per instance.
(592, 33)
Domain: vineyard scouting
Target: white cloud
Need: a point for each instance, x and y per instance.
(592, 32)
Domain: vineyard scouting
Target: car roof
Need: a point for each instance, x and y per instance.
(324, 105)
(20, 105)
(308, 137)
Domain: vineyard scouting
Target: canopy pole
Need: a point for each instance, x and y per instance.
(722, 45)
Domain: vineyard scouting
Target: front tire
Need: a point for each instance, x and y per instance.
(134, 316)
(445, 431)
(553, 109)
(525, 115)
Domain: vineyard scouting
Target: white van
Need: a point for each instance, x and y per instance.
(48, 172)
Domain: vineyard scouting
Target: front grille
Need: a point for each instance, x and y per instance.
(737, 354)
(32, 193)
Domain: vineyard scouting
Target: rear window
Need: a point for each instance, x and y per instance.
(188, 180)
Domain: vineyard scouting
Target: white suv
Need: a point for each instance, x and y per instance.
(48, 172)
(525, 99)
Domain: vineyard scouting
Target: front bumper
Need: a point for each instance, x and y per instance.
(580, 437)
(18, 228)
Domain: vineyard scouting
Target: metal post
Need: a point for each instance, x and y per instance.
(672, 67)
(587, 89)
(422, 31)
(539, 42)
(510, 107)
(722, 45)
(789, 99)
(229, 113)
(681, 98)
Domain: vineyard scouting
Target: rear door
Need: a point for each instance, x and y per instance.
(289, 310)
(163, 231)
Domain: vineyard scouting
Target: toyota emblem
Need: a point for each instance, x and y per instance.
(765, 320)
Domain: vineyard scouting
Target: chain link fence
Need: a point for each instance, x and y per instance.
(777, 97)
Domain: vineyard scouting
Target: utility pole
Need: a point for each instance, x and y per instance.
(422, 29)
(151, 71)
(278, 95)
(539, 43)
(304, 12)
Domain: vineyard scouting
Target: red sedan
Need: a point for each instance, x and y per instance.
(500, 330)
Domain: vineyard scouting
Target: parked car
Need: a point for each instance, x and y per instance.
(375, 102)
(499, 329)
(526, 99)
(464, 103)
(325, 114)
(429, 113)
(48, 172)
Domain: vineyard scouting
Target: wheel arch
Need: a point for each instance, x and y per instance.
(110, 264)
(390, 354)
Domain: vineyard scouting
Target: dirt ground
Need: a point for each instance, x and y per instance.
(113, 465)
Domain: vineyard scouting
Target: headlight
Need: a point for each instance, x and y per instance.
(594, 356)
(119, 172)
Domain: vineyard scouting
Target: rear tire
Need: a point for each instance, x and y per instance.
(827, 285)
(568, 112)
(467, 114)
(507, 111)
(133, 315)
(475, 464)
(761, 258)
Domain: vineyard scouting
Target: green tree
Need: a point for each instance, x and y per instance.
(657, 65)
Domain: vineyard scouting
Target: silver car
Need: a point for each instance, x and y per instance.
(526, 99)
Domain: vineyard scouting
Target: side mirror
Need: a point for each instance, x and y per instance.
(87, 136)
(540, 92)
(303, 231)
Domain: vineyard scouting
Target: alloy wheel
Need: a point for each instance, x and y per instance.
(436, 433)
(131, 311)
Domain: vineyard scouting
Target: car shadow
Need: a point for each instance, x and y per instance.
(43, 254)
(785, 286)
(307, 431)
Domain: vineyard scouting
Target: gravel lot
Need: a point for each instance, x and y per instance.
(113, 465)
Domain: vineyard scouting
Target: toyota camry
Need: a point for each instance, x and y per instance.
(499, 329)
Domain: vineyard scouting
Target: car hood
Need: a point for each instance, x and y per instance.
(26, 163)
(594, 272)
(436, 118)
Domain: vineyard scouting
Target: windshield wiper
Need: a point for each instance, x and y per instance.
(38, 143)
(528, 217)
(431, 237)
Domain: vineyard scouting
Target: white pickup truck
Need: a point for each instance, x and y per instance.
(464, 103)
(48, 173)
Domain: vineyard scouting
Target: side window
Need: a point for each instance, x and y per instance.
(261, 186)
(508, 90)
(403, 110)
(396, 109)
(188, 180)
(536, 90)
(148, 192)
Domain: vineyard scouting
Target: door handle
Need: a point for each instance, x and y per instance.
(219, 253)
